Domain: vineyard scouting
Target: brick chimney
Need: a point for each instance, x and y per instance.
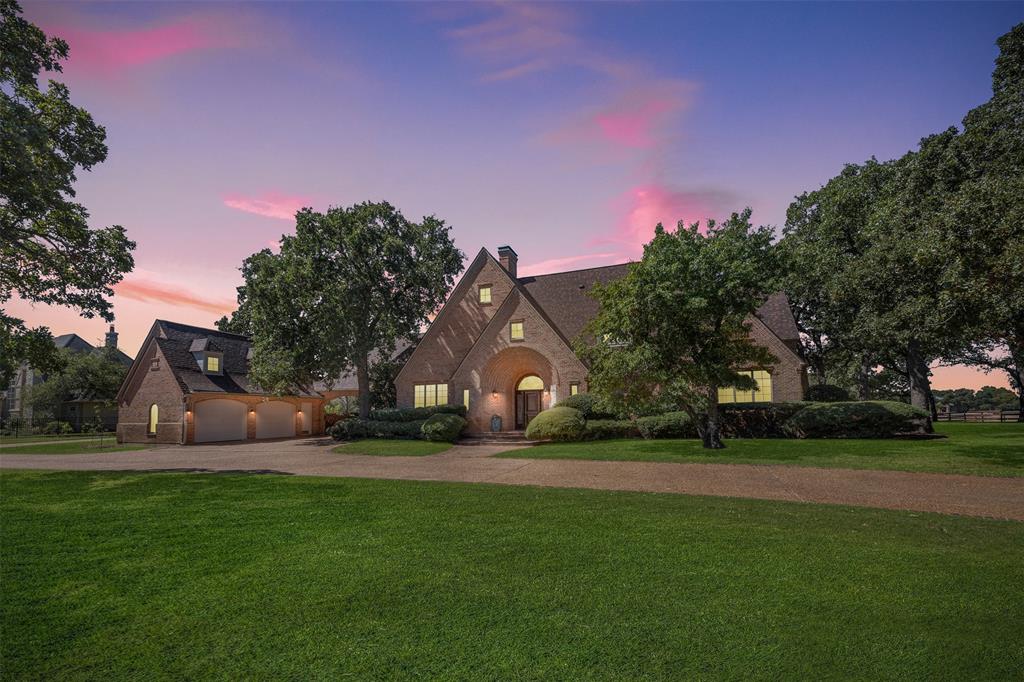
(111, 339)
(508, 259)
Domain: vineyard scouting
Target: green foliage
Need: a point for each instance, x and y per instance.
(758, 420)
(90, 376)
(589, 405)
(557, 423)
(56, 427)
(667, 425)
(826, 393)
(603, 429)
(405, 414)
(48, 253)
(382, 384)
(355, 429)
(675, 327)
(347, 285)
(984, 399)
(444, 428)
(863, 419)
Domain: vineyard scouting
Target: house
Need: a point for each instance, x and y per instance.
(502, 345)
(80, 411)
(190, 385)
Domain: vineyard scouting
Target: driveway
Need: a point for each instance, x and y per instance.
(943, 493)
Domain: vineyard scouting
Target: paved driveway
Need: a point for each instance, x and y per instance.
(948, 494)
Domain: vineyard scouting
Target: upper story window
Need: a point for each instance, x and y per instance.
(762, 393)
(429, 395)
(516, 330)
(485, 293)
(213, 364)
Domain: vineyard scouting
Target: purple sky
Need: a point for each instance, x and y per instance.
(564, 130)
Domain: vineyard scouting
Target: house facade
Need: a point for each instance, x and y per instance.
(190, 385)
(502, 345)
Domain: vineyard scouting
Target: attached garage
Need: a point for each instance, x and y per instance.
(275, 419)
(218, 420)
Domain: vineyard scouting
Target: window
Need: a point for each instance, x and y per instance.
(465, 398)
(516, 331)
(155, 365)
(530, 383)
(212, 364)
(485, 293)
(429, 395)
(154, 416)
(574, 388)
(761, 394)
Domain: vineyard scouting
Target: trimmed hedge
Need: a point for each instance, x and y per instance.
(587, 404)
(443, 428)
(355, 429)
(412, 414)
(668, 425)
(827, 393)
(758, 420)
(603, 429)
(557, 423)
(862, 419)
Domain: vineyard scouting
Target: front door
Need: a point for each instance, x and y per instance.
(527, 407)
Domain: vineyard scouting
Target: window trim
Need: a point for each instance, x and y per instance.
(480, 292)
(219, 358)
(733, 398)
(153, 421)
(511, 333)
(436, 386)
(465, 398)
(574, 388)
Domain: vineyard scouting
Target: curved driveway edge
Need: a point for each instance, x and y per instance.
(1001, 498)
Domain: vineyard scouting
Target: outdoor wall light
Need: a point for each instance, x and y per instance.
(494, 393)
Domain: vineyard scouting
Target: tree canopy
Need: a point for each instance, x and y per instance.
(93, 376)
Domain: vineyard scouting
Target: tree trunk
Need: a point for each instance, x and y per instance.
(920, 386)
(363, 384)
(711, 436)
(864, 379)
(1016, 372)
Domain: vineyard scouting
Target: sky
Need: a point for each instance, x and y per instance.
(564, 130)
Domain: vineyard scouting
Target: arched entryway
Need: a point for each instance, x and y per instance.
(499, 385)
(529, 400)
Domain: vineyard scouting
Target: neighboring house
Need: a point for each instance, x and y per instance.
(79, 412)
(347, 385)
(502, 345)
(190, 385)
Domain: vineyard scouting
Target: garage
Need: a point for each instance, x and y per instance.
(275, 419)
(218, 420)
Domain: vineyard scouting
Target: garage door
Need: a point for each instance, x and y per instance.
(275, 419)
(219, 420)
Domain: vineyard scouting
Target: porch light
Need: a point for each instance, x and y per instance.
(494, 393)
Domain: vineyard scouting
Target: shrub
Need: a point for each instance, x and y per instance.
(56, 427)
(601, 429)
(588, 405)
(758, 420)
(412, 414)
(354, 429)
(558, 423)
(443, 427)
(827, 393)
(667, 425)
(863, 419)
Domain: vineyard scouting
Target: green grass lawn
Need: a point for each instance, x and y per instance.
(39, 438)
(79, 448)
(978, 449)
(191, 576)
(393, 448)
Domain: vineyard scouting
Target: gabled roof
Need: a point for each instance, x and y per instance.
(76, 344)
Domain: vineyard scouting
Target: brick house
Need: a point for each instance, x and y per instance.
(502, 345)
(190, 385)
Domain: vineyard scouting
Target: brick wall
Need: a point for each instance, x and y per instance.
(789, 375)
(153, 383)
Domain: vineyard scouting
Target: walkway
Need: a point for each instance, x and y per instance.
(947, 494)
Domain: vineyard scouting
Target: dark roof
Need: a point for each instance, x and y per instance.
(348, 381)
(76, 344)
(176, 342)
(565, 298)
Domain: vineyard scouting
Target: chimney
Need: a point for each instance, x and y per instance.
(111, 340)
(508, 259)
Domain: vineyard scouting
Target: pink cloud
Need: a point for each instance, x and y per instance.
(268, 204)
(151, 291)
(559, 264)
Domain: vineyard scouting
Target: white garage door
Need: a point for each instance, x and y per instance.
(275, 419)
(219, 420)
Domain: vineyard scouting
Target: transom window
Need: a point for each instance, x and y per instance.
(429, 395)
(154, 417)
(485, 293)
(762, 393)
(516, 331)
(530, 383)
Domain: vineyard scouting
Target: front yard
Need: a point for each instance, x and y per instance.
(143, 575)
(108, 444)
(974, 449)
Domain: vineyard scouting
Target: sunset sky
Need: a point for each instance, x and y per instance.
(564, 130)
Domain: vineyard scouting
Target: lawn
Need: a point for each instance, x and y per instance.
(188, 576)
(976, 449)
(393, 448)
(76, 448)
(41, 438)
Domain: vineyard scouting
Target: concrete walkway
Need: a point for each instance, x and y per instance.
(947, 494)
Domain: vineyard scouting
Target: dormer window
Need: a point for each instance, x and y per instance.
(212, 364)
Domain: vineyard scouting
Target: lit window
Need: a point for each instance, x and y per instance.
(212, 363)
(516, 332)
(574, 388)
(465, 398)
(154, 416)
(430, 395)
(530, 383)
(762, 393)
(485, 293)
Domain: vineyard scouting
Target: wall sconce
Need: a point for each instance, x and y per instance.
(252, 409)
(494, 393)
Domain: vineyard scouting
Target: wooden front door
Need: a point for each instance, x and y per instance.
(527, 407)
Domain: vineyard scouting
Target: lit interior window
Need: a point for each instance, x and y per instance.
(485, 294)
(429, 395)
(530, 383)
(154, 417)
(465, 398)
(574, 388)
(762, 393)
(516, 331)
(212, 363)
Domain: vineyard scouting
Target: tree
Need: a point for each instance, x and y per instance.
(348, 285)
(93, 376)
(675, 328)
(48, 253)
